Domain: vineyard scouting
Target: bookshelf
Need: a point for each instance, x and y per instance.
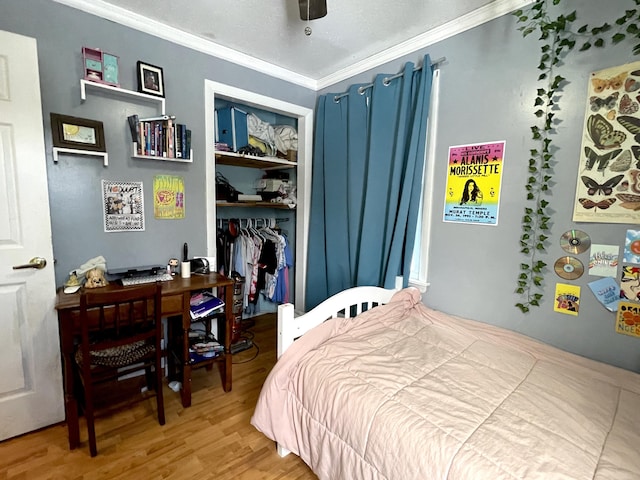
(87, 86)
(129, 95)
(135, 154)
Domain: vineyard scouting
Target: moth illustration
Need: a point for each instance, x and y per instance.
(595, 188)
(609, 102)
(632, 124)
(631, 85)
(602, 133)
(622, 163)
(603, 160)
(630, 201)
(636, 153)
(600, 84)
(627, 106)
(602, 204)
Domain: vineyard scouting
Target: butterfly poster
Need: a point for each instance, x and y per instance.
(474, 178)
(608, 183)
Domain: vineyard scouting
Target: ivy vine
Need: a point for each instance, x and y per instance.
(557, 39)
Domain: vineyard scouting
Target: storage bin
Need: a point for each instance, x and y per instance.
(232, 127)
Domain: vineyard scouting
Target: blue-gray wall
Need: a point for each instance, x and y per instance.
(487, 92)
(488, 87)
(75, 181)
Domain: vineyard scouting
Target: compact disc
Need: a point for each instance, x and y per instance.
(569, 268)
(575, 241)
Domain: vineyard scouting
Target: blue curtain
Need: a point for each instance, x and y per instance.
(368, 163)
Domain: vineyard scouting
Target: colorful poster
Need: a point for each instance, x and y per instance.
(632, 247)
(630, 283)
(567, 299)
(607, 291)
(628, 319)
(603, 260)
(474, 178)
(608, 183)
(123, 206)
(168, 197)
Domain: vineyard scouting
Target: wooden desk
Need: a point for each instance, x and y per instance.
(176, 295)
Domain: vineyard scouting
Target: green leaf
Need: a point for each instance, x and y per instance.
(617, 38)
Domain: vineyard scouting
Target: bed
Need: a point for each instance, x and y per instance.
(401, 391)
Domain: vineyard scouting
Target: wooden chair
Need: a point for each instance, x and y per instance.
(121, 334)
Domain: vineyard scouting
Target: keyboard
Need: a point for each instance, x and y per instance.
(138, 280)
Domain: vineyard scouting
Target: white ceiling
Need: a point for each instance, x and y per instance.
(269, 36)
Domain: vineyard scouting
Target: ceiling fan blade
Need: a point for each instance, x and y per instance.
(312, 9)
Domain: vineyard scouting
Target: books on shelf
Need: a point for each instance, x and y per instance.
(205, 304)
(160, 136)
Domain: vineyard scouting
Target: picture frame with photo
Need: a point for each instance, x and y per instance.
(150, 79)
(77, 133)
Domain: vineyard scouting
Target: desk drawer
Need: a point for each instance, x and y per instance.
(172, 304)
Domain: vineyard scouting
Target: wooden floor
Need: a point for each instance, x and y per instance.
(212, 439)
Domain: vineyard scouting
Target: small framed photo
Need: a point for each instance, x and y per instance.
(150, 79)
(77, 133)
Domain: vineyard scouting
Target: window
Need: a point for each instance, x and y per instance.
(420, 260)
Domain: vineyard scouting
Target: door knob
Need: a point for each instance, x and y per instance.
(35, 262)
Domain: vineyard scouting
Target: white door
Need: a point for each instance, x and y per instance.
(31, 393)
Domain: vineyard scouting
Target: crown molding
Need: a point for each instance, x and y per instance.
(138, 22)
(482, 15)
(161, 30)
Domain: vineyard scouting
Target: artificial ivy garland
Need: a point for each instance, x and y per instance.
(557, 40)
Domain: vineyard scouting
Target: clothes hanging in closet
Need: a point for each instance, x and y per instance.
(263, 257)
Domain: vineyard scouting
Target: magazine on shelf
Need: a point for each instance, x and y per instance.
(204, 304)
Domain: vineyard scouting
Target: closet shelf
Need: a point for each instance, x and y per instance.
(281, 206)
(239, 160)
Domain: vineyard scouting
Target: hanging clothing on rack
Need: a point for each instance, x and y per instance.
(262, 256)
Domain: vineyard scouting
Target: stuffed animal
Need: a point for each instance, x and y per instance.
(95, 278)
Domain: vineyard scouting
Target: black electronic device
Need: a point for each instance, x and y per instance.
(126, 272)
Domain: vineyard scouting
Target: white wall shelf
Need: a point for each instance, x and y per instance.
(120, 92)
(135, 154)
(73, 151)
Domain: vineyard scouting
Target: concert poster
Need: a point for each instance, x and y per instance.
(474, 179)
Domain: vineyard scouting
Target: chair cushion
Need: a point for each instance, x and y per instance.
(118, 356)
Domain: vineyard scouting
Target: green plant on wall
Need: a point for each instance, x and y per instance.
(557, 39)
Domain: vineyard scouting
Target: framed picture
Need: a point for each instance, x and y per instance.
(77, 133)
(150, 79)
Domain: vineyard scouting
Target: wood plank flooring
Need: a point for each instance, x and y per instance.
(212, 439)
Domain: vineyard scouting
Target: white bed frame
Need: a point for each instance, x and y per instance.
(346, 304)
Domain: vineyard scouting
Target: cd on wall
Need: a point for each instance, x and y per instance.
(569, 268)
(575, 241)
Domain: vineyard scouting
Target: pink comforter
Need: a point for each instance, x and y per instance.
(405, 392)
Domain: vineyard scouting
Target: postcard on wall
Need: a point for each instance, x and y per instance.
(168, 197)
(607, 291)
(474, 179)
(632, 247)
(567, 299)
(603, 260)
(123, 207)
(630, 283)
(628, 319)
(607, 189)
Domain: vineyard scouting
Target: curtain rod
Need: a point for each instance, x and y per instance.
(386, 80)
